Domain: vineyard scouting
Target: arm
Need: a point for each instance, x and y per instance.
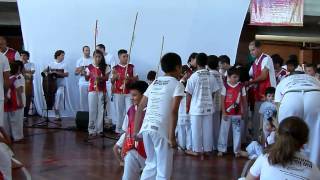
(78, 71)
(6, 80)
(19, 96)
(251, 177)
(188, 102)
(244, 105)
(263, 76)
(115, 76)
(174, 120)
(138, 116)
(4, 138)
(222, 105)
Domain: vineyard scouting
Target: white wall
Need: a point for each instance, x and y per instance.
(211, 26)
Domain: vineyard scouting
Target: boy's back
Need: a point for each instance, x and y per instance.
(160, 95)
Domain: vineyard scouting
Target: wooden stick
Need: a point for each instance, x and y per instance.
(162, 43)
(95, 34)
(130, 49)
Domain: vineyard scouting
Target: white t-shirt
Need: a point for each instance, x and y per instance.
(301, 168)
(267, 109)
(29, 66)
(218, 77)
(201, 87)
(160, 96)
(4, 67)
(59, 65)
(296, 82)
(266, 63)
(20, 82)
(183, 105)
(224, 90)
(83, 62)
(111, 60)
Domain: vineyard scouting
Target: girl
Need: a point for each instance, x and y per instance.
(97, 75)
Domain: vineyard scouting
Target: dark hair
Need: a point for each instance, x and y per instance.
(233, 70)
(292, 135)
(270, 120)
(277, 59)
(256, 43)
(85, 47)
(293, 62)
(101, 46)
(58, 53)
(192, 56)
(102, 65)
(293, 57)
(141, 86)
(201, 59)
(25, 52)
(312, 66)
(14, 68)
(169, 62)
(224, 59)
(151, 75)
(122, 51)
(270, 90)
(213, 62)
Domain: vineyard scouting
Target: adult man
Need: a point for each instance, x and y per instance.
(10, 53)
(298, 95)
(263, 76)
(29, 70)
(82, 64)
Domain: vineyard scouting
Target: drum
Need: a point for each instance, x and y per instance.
(49, 85)
(29, 86)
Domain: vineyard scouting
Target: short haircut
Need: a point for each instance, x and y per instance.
(58, 53)
(101, 46)
(122, 51)
(312, 66)
(293, 57)
(169, 62)
(270, 90)
(192, 56)
(140, 86)
(224, 59)
(25, 53)
(293, 62)
(85, 47)
(151, 75)
(256, 43)
(201, 59)
(277, 59)
(233, 71)
(213, 62)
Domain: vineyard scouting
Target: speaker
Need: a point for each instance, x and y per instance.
(82, 120)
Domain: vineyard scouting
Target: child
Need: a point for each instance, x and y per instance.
(13, 107)
(97, 74)
(200, 90)
(233, 97)
(224, 65)
(213, 63)
(183, 130)
(267, 109)
(120, 81)
(162, 100)
(292, 65)
(311, 70)
(151, 76)
(133, 151)
(279, 71)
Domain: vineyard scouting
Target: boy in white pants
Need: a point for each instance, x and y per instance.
(122, 75)
(233, 97)
(213, 64)
(200, 91)
(298, 95)
(97, 74)
(162, 100)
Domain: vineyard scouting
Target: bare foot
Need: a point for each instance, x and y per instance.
(220, 154)
(189, 152)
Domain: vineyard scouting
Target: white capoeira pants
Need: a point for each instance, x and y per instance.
(159, 160)
(226, 122)
(5, 161)
(216, 128)
(133, 165)
(96, 112)
(13, 124)
(110, 104)
(201, 131)
(122, 103)
(256, 120)
(83, 89)
(305, 105)
(59, 101)
(183, 132)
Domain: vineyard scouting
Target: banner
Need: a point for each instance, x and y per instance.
(276, 12)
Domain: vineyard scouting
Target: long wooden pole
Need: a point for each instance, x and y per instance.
(95, 34)
(162, 44)
(130, 49)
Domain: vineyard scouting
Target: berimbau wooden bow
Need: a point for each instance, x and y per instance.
(161, 51)
(130, 49)
(95, 34)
